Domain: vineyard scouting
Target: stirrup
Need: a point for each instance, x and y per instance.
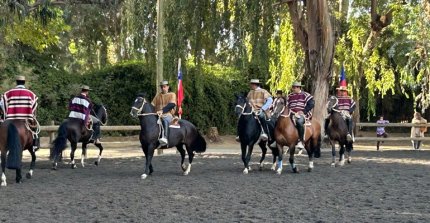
(163, 141)
(263, 137)
(349, 138)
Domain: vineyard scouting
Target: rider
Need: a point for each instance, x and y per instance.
(260, 101)
(165, 103)
(2, 112)
(80, 107)
(21, 103)
(279, 101)
(347, 106)
(301, 103)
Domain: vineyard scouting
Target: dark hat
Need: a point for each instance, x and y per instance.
(164, 83)
(20, 78)
(297, 84)
(279, 91)
(86, 88)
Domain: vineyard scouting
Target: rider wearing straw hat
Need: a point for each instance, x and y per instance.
(165, 103)
(260, 100)
(301, 104)
(346, 105)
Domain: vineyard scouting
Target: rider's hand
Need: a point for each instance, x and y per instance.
(300, 113)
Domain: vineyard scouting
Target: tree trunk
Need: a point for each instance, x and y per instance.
(213, 135)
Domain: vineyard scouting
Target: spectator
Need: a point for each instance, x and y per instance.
(418, 132)
(380, 130)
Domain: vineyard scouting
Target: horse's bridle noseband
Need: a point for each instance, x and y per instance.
(139, 110)
(243, 109)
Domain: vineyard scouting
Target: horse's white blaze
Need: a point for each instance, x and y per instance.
(144, 176)
(245, 171)
(30, 172)
(311, 164)
(3, 180)
(188, 169)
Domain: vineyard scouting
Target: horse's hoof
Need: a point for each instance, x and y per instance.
(28, 175)
(144, 176)
(184, 167)
(279, 172)
(74, 166)
(249, 168)
(333, 165)
(245, 171)
(349, 160)
(296, 170)
(310, 169)
(3, 184)
(260, 168)
(186, 173)
(83, 165)
(54, 168)
(273, 168)
(19, 181)
(96, 163)
(341, 163)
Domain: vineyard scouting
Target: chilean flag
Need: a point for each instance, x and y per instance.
(180, 89)
(342, 81)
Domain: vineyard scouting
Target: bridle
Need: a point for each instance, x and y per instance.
(243, 108)
(139, 110)
(95, 115)
(334, 105)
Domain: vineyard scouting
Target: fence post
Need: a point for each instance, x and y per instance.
(51, 139)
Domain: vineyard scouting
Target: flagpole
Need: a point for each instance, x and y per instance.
(180, 107)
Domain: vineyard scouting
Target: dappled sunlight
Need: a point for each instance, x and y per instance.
(407, 161)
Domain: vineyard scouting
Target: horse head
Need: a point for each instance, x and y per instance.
(100, 112)
(279, 109)
(241, 105)
(140, 105)
(332, 103)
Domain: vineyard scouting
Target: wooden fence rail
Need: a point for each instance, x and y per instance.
(124, 128)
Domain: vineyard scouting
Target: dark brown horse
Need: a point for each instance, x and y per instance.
(15, 137)
(337, 131)
(286, 134)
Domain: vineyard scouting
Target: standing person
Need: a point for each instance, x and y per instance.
(165, 104)
(418, 132)
(380, 130)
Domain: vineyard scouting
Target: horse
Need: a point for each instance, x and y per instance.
(249, 130)
(337, 131)
(286, 134)
(15, 137)
(74, 131)
(183, 133)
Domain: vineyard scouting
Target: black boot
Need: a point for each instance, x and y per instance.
(265, 134)
(326, 123)
(301, 131)
(349, 126)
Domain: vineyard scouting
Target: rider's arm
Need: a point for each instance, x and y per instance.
(267, 104)
(168, 107)
(309, 106)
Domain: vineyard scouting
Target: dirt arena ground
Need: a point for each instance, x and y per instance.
(392, 185)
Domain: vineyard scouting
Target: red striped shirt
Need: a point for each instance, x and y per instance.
(20, 103)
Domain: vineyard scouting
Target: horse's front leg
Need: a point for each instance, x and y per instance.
(275, 154)
(248, 157)
(32, 164)
(72, 154)
(311, 159)
(280, 157)
(341, 155)
(348, 151)
(99, 145)
(243, 149)
(333, 153)
(84, 153)
(263, 153)
(3, 169)
(148, 155)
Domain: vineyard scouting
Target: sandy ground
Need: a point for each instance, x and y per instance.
(391, 185)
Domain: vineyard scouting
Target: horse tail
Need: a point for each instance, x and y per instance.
(199, 143)
(59, 144)
(317, 148)
(14, 146)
